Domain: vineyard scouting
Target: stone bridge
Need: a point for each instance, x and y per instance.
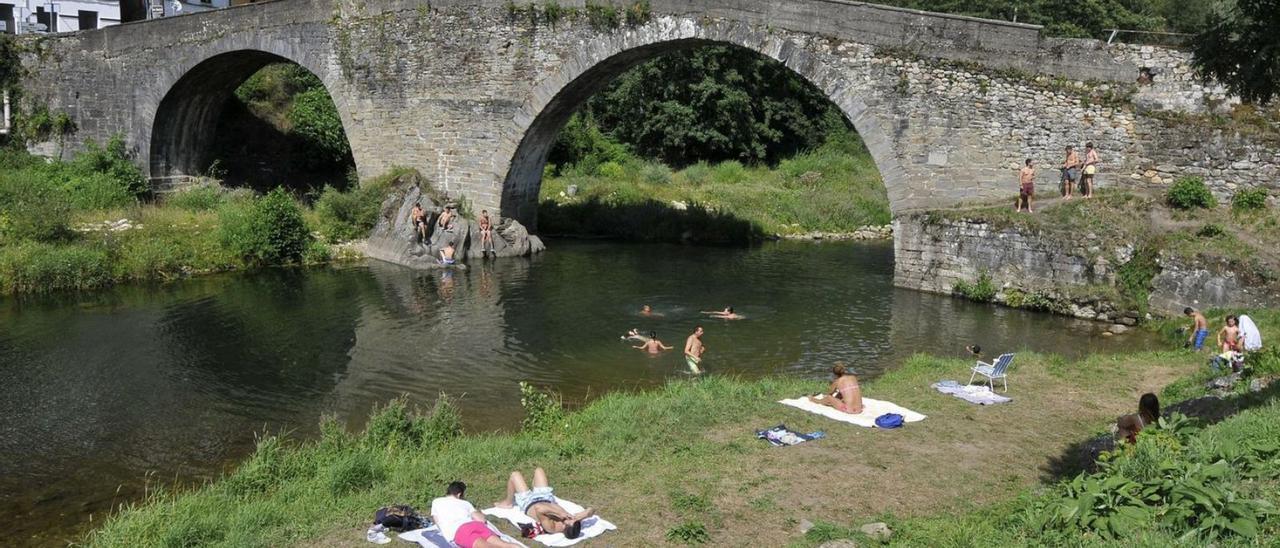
(473, 93)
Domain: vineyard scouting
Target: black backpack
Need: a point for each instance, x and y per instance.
(400, 518)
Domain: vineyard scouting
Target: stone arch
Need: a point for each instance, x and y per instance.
(176, 136)
(599, 61)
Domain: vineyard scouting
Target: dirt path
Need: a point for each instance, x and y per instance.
(963, 455)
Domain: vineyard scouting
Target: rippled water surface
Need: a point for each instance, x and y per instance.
(100, 392)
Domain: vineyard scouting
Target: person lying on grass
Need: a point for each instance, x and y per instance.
(844, 394)
(539, 503)
(461, 523)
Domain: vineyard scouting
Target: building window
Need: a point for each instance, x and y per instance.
(42, 18)
(6, 15)
(88, 20)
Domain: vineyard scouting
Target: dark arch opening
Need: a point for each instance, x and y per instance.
(203, 128)
(524, 180)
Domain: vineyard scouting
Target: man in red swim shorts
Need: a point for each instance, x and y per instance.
(461, 523)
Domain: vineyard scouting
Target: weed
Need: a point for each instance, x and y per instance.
(983, 290)
(1249, 199)
(689, 533)
(1190, 193)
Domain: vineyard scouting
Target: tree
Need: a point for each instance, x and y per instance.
(1241, 49)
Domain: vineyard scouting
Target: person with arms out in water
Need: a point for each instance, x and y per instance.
(653, 345)
(726, 314)
(843, 394)
(540, 504)
(419, 221)
(1229, 336)
(486, 233)
(647, 311)
(1026, 188)
(461, 523)
(693, 350)
(1199, 328)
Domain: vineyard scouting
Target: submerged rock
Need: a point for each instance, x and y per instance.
(395, 240)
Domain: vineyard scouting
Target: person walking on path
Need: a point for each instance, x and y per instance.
(1026, 188)
(1070, 172)
(1090, 168)
(693, 350)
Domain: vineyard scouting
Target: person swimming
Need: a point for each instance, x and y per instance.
(647, 311)
(653, 345)
(635, 335)
(726, 314)
(845, 393)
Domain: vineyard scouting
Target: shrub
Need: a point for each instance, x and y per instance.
(315, 119)
(1133, 278)
(38, 267)
(266, 231)
(348, 215)
(655, 173)
(983, 290)
(32, 209)
(689, 532)
(697, 174)
(729, 172)
(396, 425)
(543, 410)
(354, 472)
(611, 170)
(1190, 193)
(1210, 230)
(204, 198)
(1249, 199)
(113, 162)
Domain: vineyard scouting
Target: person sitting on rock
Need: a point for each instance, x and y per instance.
(1128, 426)
(540, 504)
(446, 254)
(486, 233)
(726, 314)
(445, 221)
(653, 345)
(843, 394)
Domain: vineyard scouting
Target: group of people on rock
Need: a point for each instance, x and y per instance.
(426, 230)
(1073, 171)
(462, 524)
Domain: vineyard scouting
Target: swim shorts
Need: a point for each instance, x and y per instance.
(1027, 190)
(1090, 170)
(470, 532)
(693, 363)
(525, 499)
(1201, 335)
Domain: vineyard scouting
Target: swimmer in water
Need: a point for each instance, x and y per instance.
(653, 345)
(647, 311)
(726, 314)
(635, 335)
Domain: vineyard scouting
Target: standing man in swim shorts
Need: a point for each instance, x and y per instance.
(1026, 187)
(1199, 328)
(461, 523)
(693, 350)
(540, 504)
(1090, 168)
(419, 221)
(1070, 172)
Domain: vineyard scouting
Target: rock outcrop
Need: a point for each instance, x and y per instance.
(394, 239)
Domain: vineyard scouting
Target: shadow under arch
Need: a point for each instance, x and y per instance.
(556, 98)
(186, 120)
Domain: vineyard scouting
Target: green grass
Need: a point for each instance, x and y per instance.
(835, 188)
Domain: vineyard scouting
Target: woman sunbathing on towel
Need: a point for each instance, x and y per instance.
(540, 504)
(845, 395)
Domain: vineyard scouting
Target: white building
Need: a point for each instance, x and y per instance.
(27, 16)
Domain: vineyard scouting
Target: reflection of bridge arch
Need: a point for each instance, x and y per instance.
(184, 121)
(597, 63)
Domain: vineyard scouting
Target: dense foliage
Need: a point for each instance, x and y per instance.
(270, 231)
(1190, 193)
(1249, 199)
(1241, 49)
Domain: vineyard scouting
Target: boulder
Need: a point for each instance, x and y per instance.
(877, 531)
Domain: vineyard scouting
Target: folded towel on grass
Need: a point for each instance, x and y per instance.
(431, 537)
(591, 527)
(973, 393)
(870, 410)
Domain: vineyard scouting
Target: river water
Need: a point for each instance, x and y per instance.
(102, 393)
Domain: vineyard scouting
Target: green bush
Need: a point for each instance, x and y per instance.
(204, 198)
(348, 215)
(983, 290)
(112, 161)
(729, 172)
(543, 410)
(354, 472)
(1190, 193)
(1211, 230)
(32, 209)
(37, 267)
(655, 173)
(315, 118)
(1133, 278)
(396, 425)
(689, 532)
(611, 170)
(266, 231)
(1249, 199)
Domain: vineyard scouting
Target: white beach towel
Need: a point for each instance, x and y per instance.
(1249, 332)
(870, 410)
(591, 527)
(972, 393)
(431, 537)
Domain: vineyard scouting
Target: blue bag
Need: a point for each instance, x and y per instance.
(889, 420)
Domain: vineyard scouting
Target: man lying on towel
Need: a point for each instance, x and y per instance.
(540, 504)
(461, 523)
(843, 394)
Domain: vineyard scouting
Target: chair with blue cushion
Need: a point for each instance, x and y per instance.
(993, 371)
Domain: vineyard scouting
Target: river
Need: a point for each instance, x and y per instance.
(104, 393)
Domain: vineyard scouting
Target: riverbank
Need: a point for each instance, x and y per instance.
(835, 188)
(680, 464)
(1116, 258)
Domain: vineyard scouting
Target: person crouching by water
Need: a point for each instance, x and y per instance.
(1128, 426)
(446, 254)
(844, 394)
(653, 345)
(461, 523)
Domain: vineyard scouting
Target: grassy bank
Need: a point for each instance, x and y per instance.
(60, 225)
(834, 188)
(681, 465)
